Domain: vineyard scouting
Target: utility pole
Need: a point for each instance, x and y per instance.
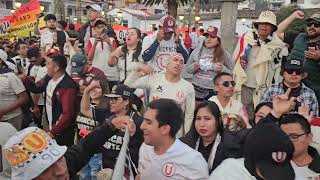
(229, 16)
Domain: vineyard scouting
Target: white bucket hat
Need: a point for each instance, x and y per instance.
(30, 152)
(266, 17)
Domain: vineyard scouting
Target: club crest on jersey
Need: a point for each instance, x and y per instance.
(159, 88)
(180, 95)
(168, 169)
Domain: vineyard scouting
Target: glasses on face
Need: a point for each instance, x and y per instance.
(315, 24)
(290, 71)
(228, 83)
(295, 137)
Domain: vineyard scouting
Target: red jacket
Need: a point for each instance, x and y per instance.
(188, 42)
(64, 106)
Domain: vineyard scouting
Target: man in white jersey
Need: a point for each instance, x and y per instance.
(306, 160)
(168, 84)
(166, 41)
(162, 156)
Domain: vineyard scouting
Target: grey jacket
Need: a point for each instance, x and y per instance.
(202, 78)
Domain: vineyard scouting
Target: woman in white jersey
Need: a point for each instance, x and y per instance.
(128, 56)
(99, 49)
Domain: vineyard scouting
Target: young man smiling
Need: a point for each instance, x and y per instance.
(292, 72)
(162, 156)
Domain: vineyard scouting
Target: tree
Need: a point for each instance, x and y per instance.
(59, 9)
(297, 25)
(172, 4)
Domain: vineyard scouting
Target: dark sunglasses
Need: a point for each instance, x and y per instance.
(315, 24)
(290, 71)
(228, 83)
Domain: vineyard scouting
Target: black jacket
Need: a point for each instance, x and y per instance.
(315, 164)
(112, 146)
(82, 31)
(79, 155)
(64, 105)
(231, 145)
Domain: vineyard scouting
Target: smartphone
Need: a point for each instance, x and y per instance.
(104, 32)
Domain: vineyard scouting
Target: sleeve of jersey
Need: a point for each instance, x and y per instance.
(16, 84)
(134, 80)
(67, 99)
(200, 171)
(189, 111)
(149, 53)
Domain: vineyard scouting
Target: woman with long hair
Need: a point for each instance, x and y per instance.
(205, 62)
(207, 135)
(120, 106)
(128, 56)
(92, 102)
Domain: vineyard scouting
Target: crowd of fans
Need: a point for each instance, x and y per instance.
(178, 108)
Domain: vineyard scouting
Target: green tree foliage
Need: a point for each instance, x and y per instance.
(172, 4)
(297, 25)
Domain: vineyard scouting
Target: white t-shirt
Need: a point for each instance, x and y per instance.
(10, 86)
(233, 107)
(24, 64)
(304, 173)
(162, 55)
(182, 92)
(38, 74)
(100, 60)
(46, 39)
(49, 94)
(231, 169)
(131, 66)
(179, 162)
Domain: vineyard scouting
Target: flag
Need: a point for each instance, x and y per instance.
(24, 19)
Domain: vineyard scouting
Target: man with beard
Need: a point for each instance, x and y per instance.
(305, 46)
(46, 40)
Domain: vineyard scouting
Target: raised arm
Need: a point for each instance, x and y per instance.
(283, 26)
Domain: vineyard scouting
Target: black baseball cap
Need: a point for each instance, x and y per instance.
(265, 139)
(293, 64)
(121, 90)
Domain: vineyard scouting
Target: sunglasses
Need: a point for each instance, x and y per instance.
(228, 83)
(315, 24)
(290, 71)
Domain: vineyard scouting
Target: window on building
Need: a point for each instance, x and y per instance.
(69, 11)
(9, 4)
(293, 1)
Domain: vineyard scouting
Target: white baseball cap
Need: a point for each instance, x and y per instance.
(95, 7)
(30, 152)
